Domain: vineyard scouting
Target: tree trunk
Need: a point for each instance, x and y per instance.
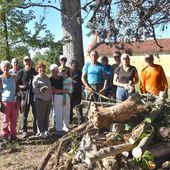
(5, 31)
(72, 30)
(103, 117)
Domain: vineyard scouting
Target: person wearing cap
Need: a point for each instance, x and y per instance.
(61, 111)
(15, 67)
(125, 78)
(116, 57)
(24, 79)
(153, 79)
(63, 67)
(8, 92)
(94, 76)
(43, 99)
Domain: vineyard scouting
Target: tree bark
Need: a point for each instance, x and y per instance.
(102, 117)
(71, 26)
(106, 152)
(159, 150)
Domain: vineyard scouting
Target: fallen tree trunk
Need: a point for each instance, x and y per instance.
(102, 117)
(141, 147)
(106, 152)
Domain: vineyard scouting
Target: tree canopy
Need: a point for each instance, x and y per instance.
(16, 38)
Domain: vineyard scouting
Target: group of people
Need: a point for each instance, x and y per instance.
(118, 80)
(22, 88)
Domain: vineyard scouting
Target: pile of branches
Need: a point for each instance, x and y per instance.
(128, 135)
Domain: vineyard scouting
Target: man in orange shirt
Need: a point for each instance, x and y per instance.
(153, 79)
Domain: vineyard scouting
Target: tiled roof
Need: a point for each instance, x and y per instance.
(135, 47)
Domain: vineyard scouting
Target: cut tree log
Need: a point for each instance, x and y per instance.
(144, 126)
(142, 146)
(103, 117)
(159, 150)
(107, 151)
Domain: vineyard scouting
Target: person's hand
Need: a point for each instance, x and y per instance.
(102, 91)
(43, 89)
(126, 86)
(26, 87)
(90, 90)
(65, 91)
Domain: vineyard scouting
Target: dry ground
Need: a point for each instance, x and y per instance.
(24, 154)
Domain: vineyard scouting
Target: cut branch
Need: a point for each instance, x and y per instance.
(106, 152)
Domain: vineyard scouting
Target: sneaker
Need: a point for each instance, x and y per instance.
(47, 133)
(65, 129)
(59, 133)
(13, 139)
(43, 135)
(24, 135)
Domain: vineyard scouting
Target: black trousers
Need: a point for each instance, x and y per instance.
(25, 107)
(76, 98)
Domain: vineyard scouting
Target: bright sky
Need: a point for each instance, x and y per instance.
(53, 21)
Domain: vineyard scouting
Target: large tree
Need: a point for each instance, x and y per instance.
(112, 20)
(16, 38)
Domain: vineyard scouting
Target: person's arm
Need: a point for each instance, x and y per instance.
(135, 79)
(58, 91)
(84, 81)
(142, 83)
(105, 83)
(36, 86)
(164, 81)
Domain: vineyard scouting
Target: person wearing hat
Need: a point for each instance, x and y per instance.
(153, 79)
(24, 79)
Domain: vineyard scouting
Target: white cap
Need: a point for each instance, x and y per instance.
(26, 58)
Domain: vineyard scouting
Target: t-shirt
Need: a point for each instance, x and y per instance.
(108, 73)
(68, 84)
(25, 78)
(57, 83)
(8, 86)
(153, 80)
(123, 76)
(94, 73)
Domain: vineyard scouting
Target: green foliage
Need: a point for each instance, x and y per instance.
(74, 145)
(50, 56)
(144, 161)
(16, 38)
(127, 127)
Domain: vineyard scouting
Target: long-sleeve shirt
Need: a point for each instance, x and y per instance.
(38, 83)
(153, 80)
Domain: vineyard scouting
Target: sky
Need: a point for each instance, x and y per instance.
(53, 21)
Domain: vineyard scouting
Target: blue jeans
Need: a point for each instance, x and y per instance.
(121, 94)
